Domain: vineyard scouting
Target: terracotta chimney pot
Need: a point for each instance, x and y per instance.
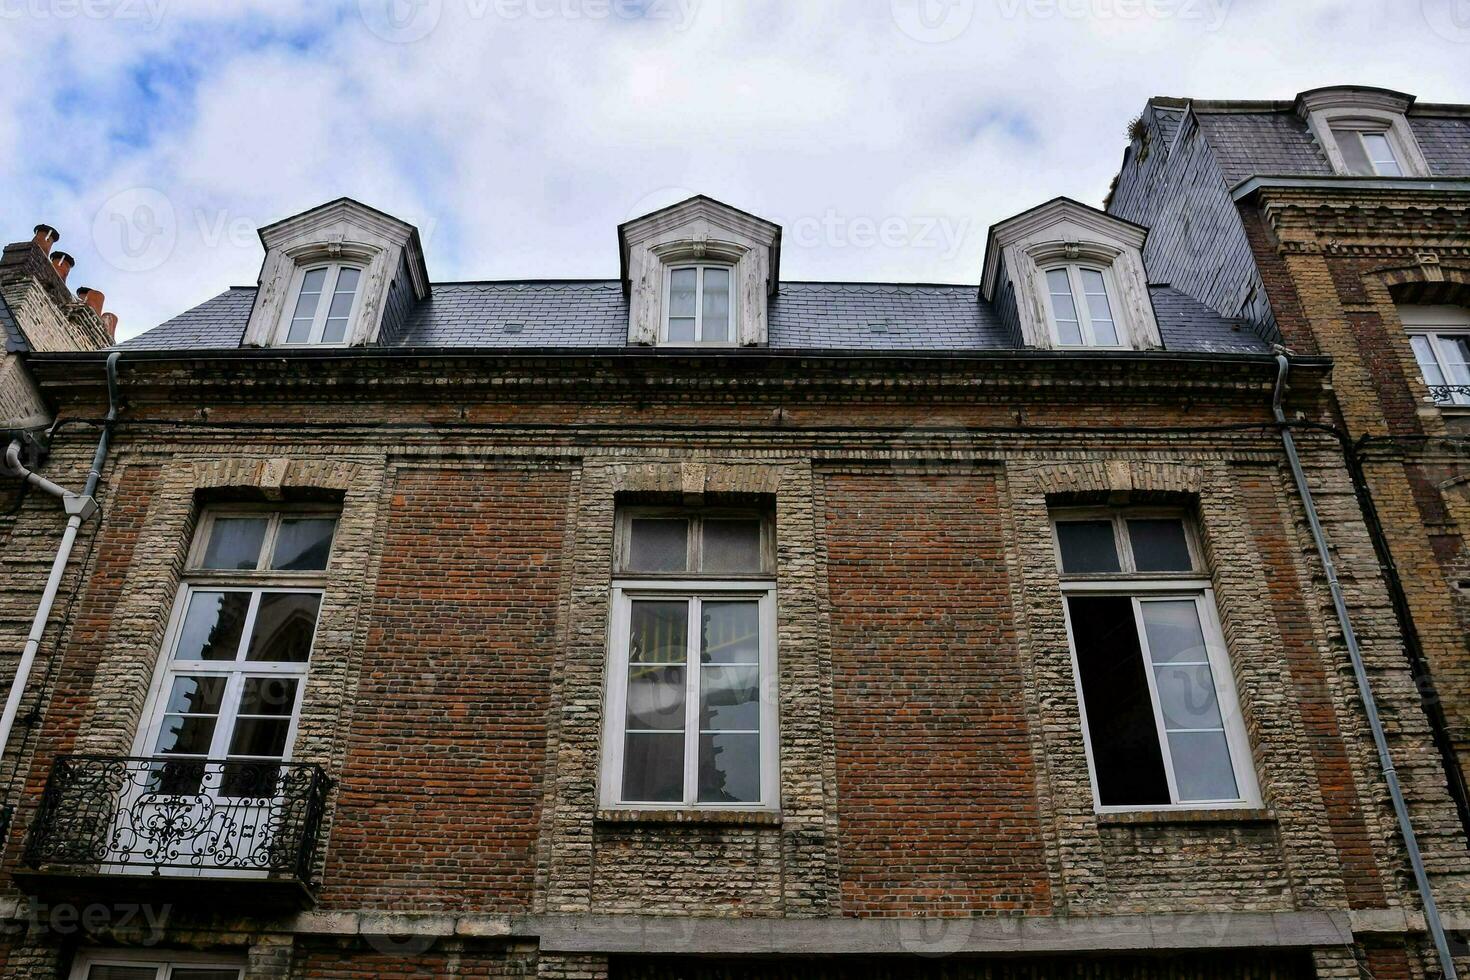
(46, 237)
(62, 263)
(92, 297)
(109, 320)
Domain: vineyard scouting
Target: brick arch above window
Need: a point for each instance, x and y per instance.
(1118, 476)
(276, 473)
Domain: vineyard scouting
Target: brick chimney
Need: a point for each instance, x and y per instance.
(92, 297)
(46, 238)
(62, 263)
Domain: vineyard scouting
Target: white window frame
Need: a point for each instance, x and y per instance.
(693, 587)
(324, 303)
(260, 580)
(733, 326)
(1142, 587)
(1436, 323)
(1357, 129)
(1079, 299)
(694, 591)
(1436, 337)
(163, 966)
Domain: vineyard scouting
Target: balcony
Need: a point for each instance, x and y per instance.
(174, 826)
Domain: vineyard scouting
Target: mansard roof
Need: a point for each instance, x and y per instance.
(803, 316)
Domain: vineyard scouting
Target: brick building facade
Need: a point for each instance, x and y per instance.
(1361, 260)
(701, 624)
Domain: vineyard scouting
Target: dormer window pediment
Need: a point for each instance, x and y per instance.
(1077, 278)
(699, 273)
(1364, 132)
(328, 274)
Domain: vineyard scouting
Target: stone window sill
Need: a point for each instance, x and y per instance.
(697, 818)
(1160, 818)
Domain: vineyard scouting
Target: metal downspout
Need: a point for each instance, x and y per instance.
(1360, 672)
(79, 507)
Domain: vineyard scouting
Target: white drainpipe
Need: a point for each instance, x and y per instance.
(79, 507)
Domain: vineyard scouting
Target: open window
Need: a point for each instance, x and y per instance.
(1160, 718)
(1440, 337)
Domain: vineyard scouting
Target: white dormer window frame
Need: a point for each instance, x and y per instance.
(1093, 312)
(324, 317)
(1364, 133)
(678, 320)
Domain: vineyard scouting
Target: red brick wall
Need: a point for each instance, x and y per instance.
(936, 791)
(441, 788)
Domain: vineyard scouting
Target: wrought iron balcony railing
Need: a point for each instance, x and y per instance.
(1446, 394)
(180, 817)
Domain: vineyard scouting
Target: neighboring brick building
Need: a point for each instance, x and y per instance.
(1339, 224)
(701, 624)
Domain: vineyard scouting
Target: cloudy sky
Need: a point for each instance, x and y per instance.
(885, 135)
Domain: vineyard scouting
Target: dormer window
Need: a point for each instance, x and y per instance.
(1071, 277)
(1364, 132)
(325, 298)
(339, 275)
(698, 305)
(1367, 152)
(1081, 314)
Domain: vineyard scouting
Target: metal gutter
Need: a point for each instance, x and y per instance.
(1360, 672)
(1259, 182)
(79, 507)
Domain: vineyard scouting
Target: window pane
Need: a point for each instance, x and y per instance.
(1173, 629)
(1087, 546)
(234, 542)
(1380, 154)
(716, 297)
(197, 695)
(212, 626)
(268, 696)
(729, 698)
(658, 545)
(1069, 331)
(302, 544)
(1187, 696)
(1098, 308)
(729, 768)
(306, 304)
(1126, 754)
(656, 697)
(730, 633)
(681, 292)
(193, 973)
(1350, 145)
(190, 735)
(1159, 545)
(732, 546)
(125, 973)
(681, 329)
(284, 626)
(659, 633)
(1424, 354)
(653, 767)
(1202, 768)
(260, 736)
(1454, 352)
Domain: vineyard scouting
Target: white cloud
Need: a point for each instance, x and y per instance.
(518, 133)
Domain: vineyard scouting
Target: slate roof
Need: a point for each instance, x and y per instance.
(1276, 141)
(15, 340)
(802, 316)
